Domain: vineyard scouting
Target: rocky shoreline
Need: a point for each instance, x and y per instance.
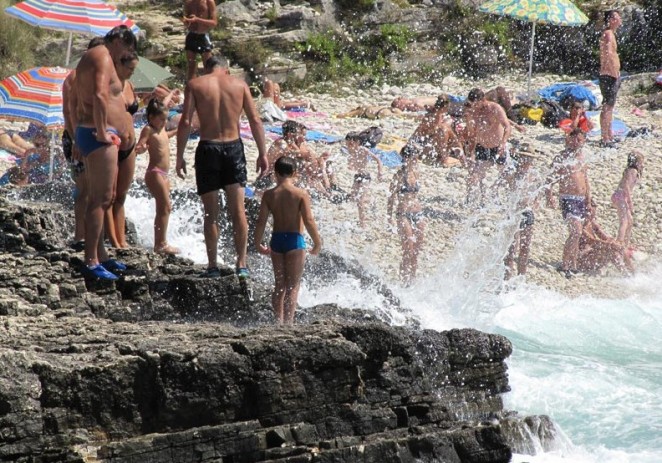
(163, 366)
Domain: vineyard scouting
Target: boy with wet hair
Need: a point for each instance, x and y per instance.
(291, 211)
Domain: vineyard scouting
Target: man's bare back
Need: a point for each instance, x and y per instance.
(219, 100)
(203, 9)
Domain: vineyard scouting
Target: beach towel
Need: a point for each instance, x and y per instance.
(6, 156)
(311, 135)
(388, 158)
(293, 114)
(618, 127)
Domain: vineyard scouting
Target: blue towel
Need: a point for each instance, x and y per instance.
(456, 99)
(388, 158)
(618, 127)
(311, 135)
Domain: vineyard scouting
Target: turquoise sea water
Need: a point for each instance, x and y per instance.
(593, 365)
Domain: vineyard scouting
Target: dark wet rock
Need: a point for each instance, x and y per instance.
(165, 366)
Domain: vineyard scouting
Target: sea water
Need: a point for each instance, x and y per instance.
(593, 365)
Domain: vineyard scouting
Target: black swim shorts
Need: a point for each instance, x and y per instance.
(573, 207)
(77, 167)
(609, 87)
(198, 43)
(528, 219)
(489, 154)
(219, 164)
(67, 146)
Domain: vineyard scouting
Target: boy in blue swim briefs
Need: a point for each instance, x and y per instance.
(291, 211)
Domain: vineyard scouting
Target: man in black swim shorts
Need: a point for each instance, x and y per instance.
(610, 71)
(199, 18)
(219, 99)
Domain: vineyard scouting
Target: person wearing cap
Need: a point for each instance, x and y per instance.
(523, 183)
(488, 129)
(434, 139)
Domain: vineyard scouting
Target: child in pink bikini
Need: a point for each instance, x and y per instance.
(154, 139)
(622, 197)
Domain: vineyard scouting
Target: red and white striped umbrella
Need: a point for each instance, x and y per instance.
(34, 95)
(91, 17)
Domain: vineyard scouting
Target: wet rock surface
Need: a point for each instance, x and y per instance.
(165, 366)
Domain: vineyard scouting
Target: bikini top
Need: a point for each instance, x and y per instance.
(133, 107)
(407, 188)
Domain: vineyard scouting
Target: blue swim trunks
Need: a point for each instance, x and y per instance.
(284, 242)
(86, 139)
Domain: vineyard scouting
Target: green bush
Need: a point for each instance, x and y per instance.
(18, 41)
(250, 55)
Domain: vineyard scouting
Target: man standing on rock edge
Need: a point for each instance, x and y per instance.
(101, 129)
(199, 18)
(219, 100)
(610, 72)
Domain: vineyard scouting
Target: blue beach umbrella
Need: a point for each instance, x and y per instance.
(556, 12)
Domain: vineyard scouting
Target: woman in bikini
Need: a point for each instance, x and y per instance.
(154, 139)
(622, 197)
(115, 218)
(408, 213)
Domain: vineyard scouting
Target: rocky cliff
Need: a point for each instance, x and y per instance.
(163, 366)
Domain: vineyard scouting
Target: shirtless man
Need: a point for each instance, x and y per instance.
(219, 100)
(72, 154)
(610, 71)
(487, 132)
(434, 139)
(102, 122)
(570, 172)
(199, 18)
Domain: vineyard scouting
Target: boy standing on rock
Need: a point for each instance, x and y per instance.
(199, 18)
(290, 207)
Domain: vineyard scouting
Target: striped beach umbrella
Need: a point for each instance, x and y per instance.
(556, 12)
(90, 17)
(34, 95)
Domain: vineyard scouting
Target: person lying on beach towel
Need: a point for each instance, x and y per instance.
(271, 91)
(373, 112)
(14, 142)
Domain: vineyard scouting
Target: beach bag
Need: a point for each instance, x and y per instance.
(519, 113)
(530, 114)
(372, 136)
(553, 113)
